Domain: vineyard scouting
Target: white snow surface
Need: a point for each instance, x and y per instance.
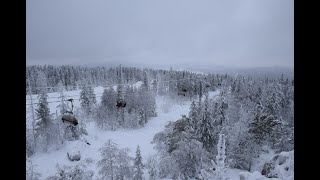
(167, 109)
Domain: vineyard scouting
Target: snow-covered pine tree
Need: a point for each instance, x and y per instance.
(138, 166)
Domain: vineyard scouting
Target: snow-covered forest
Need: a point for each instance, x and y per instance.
(131, 123)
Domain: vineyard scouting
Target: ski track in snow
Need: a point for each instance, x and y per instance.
(45, 163)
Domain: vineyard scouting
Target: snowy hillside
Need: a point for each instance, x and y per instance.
(168, 110)
(157, 127)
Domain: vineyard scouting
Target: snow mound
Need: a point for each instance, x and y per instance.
(74, 155)
(280, 166)
(265, 156)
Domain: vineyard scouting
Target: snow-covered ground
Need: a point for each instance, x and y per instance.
(167, 109)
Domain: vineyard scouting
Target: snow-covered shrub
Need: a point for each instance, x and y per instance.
(78, 172)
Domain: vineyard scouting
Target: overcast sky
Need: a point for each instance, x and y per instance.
(243, 33)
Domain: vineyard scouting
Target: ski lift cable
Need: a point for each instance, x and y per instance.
(98, 96)
(104, 85)
(117, 93)
(67, 96)
(118, 84)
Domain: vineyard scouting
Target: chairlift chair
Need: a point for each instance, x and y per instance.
(68, 115)
(121, 103)
(183, 92)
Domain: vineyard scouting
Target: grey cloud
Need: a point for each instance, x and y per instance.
(242, 33)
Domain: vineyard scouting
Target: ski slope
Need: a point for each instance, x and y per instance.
(167, 109)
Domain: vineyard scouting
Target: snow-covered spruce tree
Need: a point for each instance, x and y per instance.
(149, 102)
(92, 96)
(275, 105)
(115, 162)
(152, 166)
(220, 117)
(274, 99)
(145, 105)
(108, 163)
(138, 166)
(218, 166)
(179, 150)
(145, 84)
(240, 147)
(120, 90)
(106, 112)
(262, 126)
(43, 121)
(220, 158)
(125, 168)
(84, 99)
(62, 106)
(193, 115)
(206, 131)
(87, 97)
